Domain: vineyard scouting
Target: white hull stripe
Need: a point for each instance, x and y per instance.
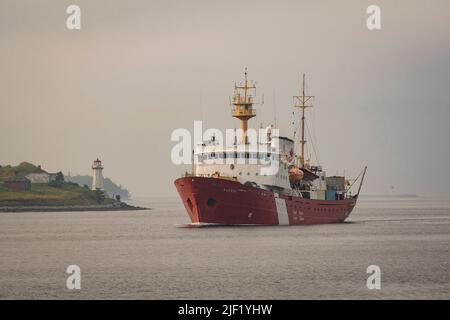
(283, 218)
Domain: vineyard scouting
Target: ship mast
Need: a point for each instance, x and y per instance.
(301, 102)
(243, 105)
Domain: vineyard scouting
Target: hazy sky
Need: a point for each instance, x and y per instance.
(139, 69)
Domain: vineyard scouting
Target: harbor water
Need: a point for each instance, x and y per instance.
(152, 254)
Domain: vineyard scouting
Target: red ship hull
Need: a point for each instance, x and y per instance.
(228, 202)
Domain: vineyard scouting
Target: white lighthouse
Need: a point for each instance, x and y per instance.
(97, 176)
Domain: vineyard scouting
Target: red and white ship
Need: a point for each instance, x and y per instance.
(232, 185)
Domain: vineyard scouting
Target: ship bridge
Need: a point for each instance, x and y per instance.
(265, 164)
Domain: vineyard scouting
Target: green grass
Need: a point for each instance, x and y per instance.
(45, 195)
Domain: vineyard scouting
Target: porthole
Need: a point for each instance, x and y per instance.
(211, 202)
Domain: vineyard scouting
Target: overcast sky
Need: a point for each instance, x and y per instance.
(136, 70)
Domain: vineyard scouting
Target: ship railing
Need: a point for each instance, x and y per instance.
(208, 175)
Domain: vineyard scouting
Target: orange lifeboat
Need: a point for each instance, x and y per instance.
(295, 175)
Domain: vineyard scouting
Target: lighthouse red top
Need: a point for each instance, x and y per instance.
(97, 164)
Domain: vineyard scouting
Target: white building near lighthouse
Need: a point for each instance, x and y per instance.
(97, 175)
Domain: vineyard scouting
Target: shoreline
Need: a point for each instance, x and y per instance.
(72, 208)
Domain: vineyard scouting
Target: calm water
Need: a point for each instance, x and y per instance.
(143, 254)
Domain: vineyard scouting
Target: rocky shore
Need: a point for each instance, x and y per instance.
(71, 208)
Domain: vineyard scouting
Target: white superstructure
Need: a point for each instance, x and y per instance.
(263, 164)
(266, 161)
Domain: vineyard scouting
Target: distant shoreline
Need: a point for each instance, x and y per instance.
(72, 208)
